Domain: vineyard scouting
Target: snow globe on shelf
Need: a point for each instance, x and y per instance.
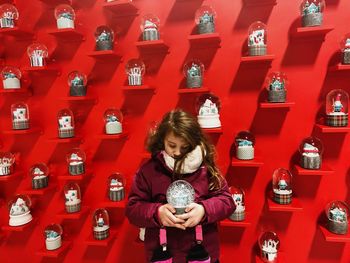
(150, 27)
(269, 244)
(113, 121)
(20, 116)
(65, 121)
(100, 224)
(65, 16)
(337, 106)
(19, 207)
(104, 37)
(8, 16)
(238, 197)
(338, 217)
(282, 186)
(180, 194)
(53, 236)
(208, 107)
(312, 12)
(277, 87)
(40, 175)
(245, 142)
(311, 150)
(77, 83)
(37, 53)
(135, 69)
(194, 71)
(76, 161)
(72, 197)
(116, 187)
(345, 49)
(205, 19)
(11, 77)
(257, 39)
(7, 163)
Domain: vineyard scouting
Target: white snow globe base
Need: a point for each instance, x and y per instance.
(53, 243)
(269, 256)
(207, 122)
(11, 83)
(63, 22)
(114, 127)
(20, 220)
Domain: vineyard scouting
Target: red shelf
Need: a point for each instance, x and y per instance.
(212, 38)
(120, 136)
(17, 32)
(44, 69)
(90, 241)
(331, 237)
(340, 67)
(256, 162)
(124, 7)
(212, 130)
(105, 54)
(74, 216)
(16, 91)
(276, 105)
(66, 140)
(292, 207)
(259, 2)
(151, 44)
(112, 204)
(23, 132)
(193, 90)
(66, 245)
(136, 88)
(68, 177)
(329, 129)
(6, 178)
(266, 58)
(325, 170)
(316, 31)
(57, 2)
(39, 192)
(20, 228)
(229, 223)
(91, 99)
(68, 34)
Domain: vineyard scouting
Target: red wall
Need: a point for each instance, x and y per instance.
(240, 88)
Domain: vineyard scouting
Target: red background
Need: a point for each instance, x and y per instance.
(278, 132)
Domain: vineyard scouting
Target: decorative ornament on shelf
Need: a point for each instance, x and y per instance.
(208, 107)
(11, 77)
(193, 71)
(150, 27)
(53, 236)
(269, 244)
(72, 197)
(345, 49)
(245, 142)
(238, 197)
(257, 39)
(20, 116)
(7, 161)
(77, 84)
(135, 69)
(104, 37)
(311, 150)
(40, 175)
(19, 208)
(65, 123)
(76, 161)
(312, 12)
(205, 19)
(113, 121)
(100, 224)
(276, 84)
(65, 16)
(37, 54)
(116, 187)
(282, 186)
(338, 217)
(180, 194)
(337, 105)
(8, 16)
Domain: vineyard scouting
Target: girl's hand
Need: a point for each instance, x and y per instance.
(194, 214)
(166, 217)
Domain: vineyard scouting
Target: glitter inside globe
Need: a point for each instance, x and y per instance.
(180, 194)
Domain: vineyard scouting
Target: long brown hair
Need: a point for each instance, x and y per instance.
(184, 125)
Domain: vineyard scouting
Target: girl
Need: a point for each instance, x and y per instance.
(179, 151)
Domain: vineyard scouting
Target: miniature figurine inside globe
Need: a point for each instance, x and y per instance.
(8, 16)
(100, 224)
(37, 53)
(76, 161)
(77, 82)
(337, 106)
(311, 150)
(53, 236)
(282, 186)
(208, 107)
(150, 27)
(205, 19)
(269, 244)
(40, 175)
(345, 49)
(276, 84)
(194, 71)
(180, 194)
(338, 217)
(11, 77)
(135, 69)
(72, 197)
(19, 207)
(20, 116)
(245, 142)
(65, 16)
(113, 121)
(238, 197)
(7, 160)
(312, 12)
(257, 39)
(65, 121)
(104, 37)
(116, 187)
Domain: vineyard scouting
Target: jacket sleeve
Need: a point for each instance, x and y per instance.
(219, 204)
(140, 210)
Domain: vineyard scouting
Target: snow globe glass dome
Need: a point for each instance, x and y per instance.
(337, 106)
(65, 121)
(72, 197)
(100, 224)
(282, 186)
(180, 194)
(39, 173)
(150, 27)
(345, 49)
(53, 236)
(193, 71)
(338, 217)
(135, 69)
(8, 16)
(269, 244)
(104, 37)
(238, 197)
(245, 142)
(20, 116)
(76, 161)
(312, 12)
(7, 160)
(37, 54)
(116, 187)
(11, 77)
(205, 19)
(276, 85)
(77, 83)
(113, 121)
(19, 208)
(257, 39)
(208, 108)
(65, 16)
(311, 150)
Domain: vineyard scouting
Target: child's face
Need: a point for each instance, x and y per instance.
(175, 146)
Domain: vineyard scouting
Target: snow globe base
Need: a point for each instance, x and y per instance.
(194, 82)
(116, 195)
(337, 120)
(237, 216)
(338, 227)
(52, 244)
(66, 133)
(40, 182)
(277, 96)
(63, 22)
(76, 169)
(7, 170)
(282, 199)
(179, 210)
(104, 45)
(346, 58)
(11, 83)
(206, 28)
(101, 234)
(150, 35)
(114, 128)
(243, 153)
(314, 19)
(20, 220)
(208, 122)
(269, 256)
(73, 208)
(77, 90)
(257, 50)
(312, 163)
(20, 125)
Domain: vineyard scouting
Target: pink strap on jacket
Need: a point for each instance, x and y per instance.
(162, 238)
(199, 234)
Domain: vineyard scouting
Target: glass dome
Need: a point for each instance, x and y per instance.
(10, 72)
(64, 11)
(337, 106)
(238, 197)
(149, 22)
(312, 6)
(39, 173)
(113, 121)
(7, 159)
(338, 217)
(20, 116)
(9, 14)
(193, 70)
(19, 208)
(72, 197)
(282, 186)
(311, 145)
(100, 224)
(104, 33)
(76, 78)
(53, 236)
(205, 14)
(135, 69)
(208, 108)
(37, 53)
(75, 159)
(65, 120)
(257, 34)
(345, 43)
(269, 244)
(277, 81)
(180, 194)
(116, 187)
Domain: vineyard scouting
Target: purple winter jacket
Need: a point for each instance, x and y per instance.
(148, 193)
